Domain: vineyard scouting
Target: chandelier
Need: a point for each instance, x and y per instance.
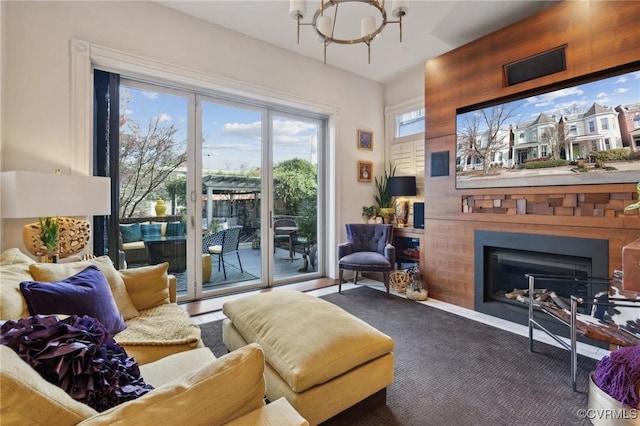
(325, 25)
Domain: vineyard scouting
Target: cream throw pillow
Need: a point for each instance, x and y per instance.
(147, 286)
(14, 256)
(59, 271)
(29, 399)
(217, 392)
(12, 304)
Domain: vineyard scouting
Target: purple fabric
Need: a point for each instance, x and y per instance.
(78, 355)
(86, 293)
(618, 375)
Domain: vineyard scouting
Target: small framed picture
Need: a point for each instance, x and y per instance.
(365, 140)
(365, 171)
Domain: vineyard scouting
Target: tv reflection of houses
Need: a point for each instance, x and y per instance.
(573, 137)
(629, 118)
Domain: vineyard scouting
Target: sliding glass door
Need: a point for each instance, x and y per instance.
(231, 151)
(296, 189)
(227, 192)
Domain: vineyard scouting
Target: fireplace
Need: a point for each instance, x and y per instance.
(502, 258)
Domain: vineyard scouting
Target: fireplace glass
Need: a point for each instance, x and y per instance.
(506, 271)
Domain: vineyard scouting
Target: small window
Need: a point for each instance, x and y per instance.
(592, 127)
(574, 130)
(410, 123)
(604, 124)
(636, 122)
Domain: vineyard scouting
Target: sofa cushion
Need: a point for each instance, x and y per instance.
(175, 229)
(60, 271)
(163, 227)
(148, 285)
(12, 304)
(130, 232)
(151, 231)
(304, 355)
(134, 245)
(78, 355)
(85, 293)
(14, 257)
(14, 268)
(164, 370)
(217, 392)
(30, 400)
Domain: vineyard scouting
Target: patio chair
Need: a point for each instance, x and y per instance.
(222, 243)
(369, 249)
(283, 229)
(613, 319)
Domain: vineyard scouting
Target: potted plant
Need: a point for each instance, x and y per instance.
(383, 199)
(49, 237)
(369, 212)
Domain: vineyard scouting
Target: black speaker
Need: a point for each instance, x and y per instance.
(418, 215)
(536, 66)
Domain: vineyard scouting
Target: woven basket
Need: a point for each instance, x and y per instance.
(399, 280)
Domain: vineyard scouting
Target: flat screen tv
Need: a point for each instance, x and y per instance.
(585, 132)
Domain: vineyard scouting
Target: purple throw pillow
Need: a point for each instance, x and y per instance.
(85, 293)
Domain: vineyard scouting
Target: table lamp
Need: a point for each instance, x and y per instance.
(35, 195)
(401, 187)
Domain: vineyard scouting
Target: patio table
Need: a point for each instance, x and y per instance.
(168, 249)
(290, 230)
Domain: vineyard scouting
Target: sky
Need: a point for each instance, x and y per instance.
(611, 92)
(231, 135)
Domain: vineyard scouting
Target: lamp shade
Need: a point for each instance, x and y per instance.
(34, 194)
(402, 186)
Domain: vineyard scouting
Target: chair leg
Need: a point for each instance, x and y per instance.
(386, 281)
(340, 280)
(239, 261)
(355, 277)
(224, 270)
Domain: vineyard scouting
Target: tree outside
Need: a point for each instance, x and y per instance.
(149, 155)
(294, 181)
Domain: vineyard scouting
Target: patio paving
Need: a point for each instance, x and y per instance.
(251, 266)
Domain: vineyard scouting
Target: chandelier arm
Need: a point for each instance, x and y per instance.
(335, 19)
(325, 4)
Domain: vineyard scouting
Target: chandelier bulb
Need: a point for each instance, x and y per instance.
(367, 26)
(297, 9)
(324, 25)
(399, 8)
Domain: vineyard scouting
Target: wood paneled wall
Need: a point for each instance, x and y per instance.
(599, 35)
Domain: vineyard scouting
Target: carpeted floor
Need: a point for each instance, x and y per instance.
(450, 370)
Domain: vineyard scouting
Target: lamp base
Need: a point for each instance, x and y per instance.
(402, 212)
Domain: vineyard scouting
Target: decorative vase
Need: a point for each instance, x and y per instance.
(160, 207)
(415, 290)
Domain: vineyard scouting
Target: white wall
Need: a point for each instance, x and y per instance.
(36, 131)
(406, 86)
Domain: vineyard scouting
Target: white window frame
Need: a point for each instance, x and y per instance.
(392, 113)
(84, 56)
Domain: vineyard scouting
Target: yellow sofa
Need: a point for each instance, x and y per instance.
(190, 388)
(146, 298)
(191, 385)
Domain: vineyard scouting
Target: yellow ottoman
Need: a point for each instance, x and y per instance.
(318, 356)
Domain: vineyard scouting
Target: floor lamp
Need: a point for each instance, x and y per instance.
(401, 187)
(35, 195)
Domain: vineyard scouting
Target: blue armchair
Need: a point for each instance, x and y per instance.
(369, 249)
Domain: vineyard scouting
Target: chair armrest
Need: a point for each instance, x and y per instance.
(390, 253)
(343, 250)
(173, 292)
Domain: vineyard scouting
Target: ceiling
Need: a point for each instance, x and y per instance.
(430, 29)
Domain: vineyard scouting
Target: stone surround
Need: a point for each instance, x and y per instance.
(567, 204)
